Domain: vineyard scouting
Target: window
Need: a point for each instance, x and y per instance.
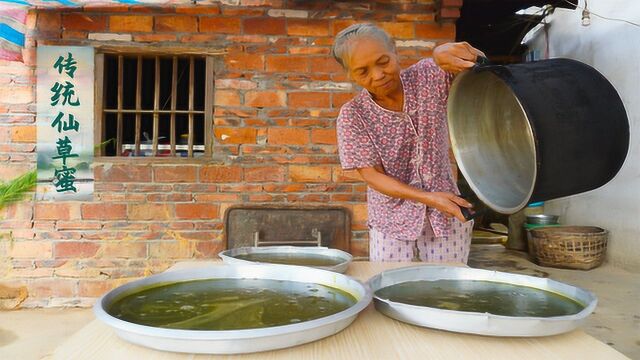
(155, 105)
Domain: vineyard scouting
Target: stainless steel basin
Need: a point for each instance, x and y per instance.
(237, 341)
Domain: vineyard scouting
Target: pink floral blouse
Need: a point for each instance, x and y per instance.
(412, 146)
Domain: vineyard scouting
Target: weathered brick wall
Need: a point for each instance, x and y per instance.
(277, 95)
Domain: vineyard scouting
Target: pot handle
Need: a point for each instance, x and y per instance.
(482, 60)
(470, 214)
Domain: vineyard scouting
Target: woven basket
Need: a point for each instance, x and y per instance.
(570, 247)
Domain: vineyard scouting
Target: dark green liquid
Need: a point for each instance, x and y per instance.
(482, 297)
(230, 304)
(291, 259)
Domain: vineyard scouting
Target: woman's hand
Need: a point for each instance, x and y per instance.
(448, 203)
(456, 57)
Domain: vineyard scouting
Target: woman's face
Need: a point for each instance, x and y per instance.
(374, 67)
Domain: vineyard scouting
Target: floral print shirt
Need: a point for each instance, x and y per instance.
(412, 146)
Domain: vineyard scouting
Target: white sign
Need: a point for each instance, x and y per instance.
(65, 99)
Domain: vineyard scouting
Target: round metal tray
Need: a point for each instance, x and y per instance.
(473, 322)
(237, 341)
(229, 256)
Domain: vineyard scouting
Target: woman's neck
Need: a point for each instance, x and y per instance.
(393, 101)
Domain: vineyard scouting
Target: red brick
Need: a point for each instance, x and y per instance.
(201, 38)
(309, 50)
(76, 21)
(342, 176)
(176, 23)
(269, 3)
(449, 13)
(264, 174)
(230, 135)
(323, 136)
(451, 3)
(46, 288)
(262, 99)
(245, 62)
(415, 17)
(235, 84)
(325, 65)
(15, 94)
(154, 37)
(23, 133)
(123, 173)
(339, 25)
(196, 211)
(17, 211)
(75, 249)
(74, 35)
(359, 213)
(11, 171)
(339, 99)
(124, 249)
(348, 197)
(287, 63)
(307, 27)
(102, 211)
(226, 98)
(435, 31)
(48, 21)
(308, 100)
(398, 30)
(209, 248)
(220, 25)
(287, 136)
(174, 174)
(240, 188)
(169, 197)
(209, 9)
(78, 225)
(217, 197)
(220, 174)
(232, 11)
(302, 173)
(94, 288)
(53, 211)
(260, 198)
(149, 212)
(38, 249)
(136, 23)
(266, 26)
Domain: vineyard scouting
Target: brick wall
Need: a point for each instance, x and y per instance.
(277, 95)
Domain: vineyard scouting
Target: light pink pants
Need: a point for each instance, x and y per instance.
(427, 247)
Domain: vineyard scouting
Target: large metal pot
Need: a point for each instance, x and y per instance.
(536, 131)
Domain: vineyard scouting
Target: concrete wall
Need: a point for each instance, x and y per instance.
(613, 48)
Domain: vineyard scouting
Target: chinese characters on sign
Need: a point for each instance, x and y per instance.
(65, 122)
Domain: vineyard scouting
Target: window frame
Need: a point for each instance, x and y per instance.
(209, 93)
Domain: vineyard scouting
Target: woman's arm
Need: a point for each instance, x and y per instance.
(448, 203)
(455, 57)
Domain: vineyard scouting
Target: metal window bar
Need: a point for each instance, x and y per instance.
(138, 106)
(174, 94)
(156, 106)
(119, 114)
(119, 111)
(191, 95)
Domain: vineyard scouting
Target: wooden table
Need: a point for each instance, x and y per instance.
(371, 336)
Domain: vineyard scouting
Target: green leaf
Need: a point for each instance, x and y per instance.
(16, 189)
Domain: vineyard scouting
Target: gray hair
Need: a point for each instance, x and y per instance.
(344, 39)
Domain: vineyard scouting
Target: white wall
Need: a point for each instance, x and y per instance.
(613, 48)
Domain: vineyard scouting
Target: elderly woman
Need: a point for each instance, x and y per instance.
(395, 134)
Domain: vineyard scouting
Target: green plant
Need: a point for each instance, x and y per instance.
(16, 189)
